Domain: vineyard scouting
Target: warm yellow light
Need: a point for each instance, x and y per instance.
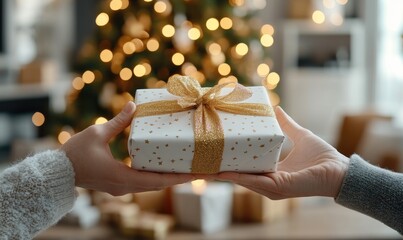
(101, 120)
(125, 74)
(226, 23)
(129, 48)
(115, 5)
(336, 19)
(273, 78)
(267, 29)
(139, 70)
(102, 19)
(148, 68)
(198, 186)
(160, 84)
(178, 59)
(263, 69)
(150, 82)
(138, 44)
(63, 137)
(274, 98)
(241, 49)
(229, 79)
(266, 40)
(214, 49)
(342, 2)
(224, 69)
(38, 119)
(188, 69)
(148, 0)
(168, 30)
(160, 7)
(88, 77)
(106, 55)
(78, 83)
(194, 33)
(212, 24)
(125, 4)
(152, 45)
(318, 17)
(218, 59)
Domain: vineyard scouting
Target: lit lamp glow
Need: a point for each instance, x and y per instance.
(202, 206)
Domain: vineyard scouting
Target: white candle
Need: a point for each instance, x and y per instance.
(203, 206)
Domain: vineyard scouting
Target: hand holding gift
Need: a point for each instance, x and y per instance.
(95, 168)
(313, 167)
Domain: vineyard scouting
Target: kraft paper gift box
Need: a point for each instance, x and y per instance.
(166, 136)
(249, 206)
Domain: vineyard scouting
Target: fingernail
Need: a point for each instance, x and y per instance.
(128, 107)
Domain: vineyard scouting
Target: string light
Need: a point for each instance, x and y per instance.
(178, 59)
(125, 74)
(273, 78)
(139, 70)
(77, 83)
(226, 23)
(38, 119)
(106, 55)
(102, 19)
(160, 7)
(63, 137)
(129, 48)
(267, 29)
(241, 49)
(266, 40)
(101, 120)
(125, 4)
(263, 70)
(194, 33)
(318, 17)
(224, 69)
(188, 69)
(212, 24)
(152, 45)
(148, 68)
(115, 5)
(214, 48)
(88, 77)
(168, 30)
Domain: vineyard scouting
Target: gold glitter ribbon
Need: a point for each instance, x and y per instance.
(208, 130)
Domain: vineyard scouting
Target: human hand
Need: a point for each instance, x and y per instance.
(312, 168)
(95, 168)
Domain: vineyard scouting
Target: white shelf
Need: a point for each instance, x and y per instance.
(318, 97)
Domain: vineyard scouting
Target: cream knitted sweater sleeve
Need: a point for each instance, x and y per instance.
(35, 194)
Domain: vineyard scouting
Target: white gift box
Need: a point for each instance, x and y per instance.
(165, 143)
(207, 211)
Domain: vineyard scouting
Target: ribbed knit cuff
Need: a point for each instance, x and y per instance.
(58, 174)
(373, 191)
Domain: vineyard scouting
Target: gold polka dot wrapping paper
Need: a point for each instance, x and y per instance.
(186, 128)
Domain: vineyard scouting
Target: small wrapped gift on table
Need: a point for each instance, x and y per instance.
(189, 129)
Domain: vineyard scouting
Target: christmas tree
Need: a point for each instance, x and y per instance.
(140, 44)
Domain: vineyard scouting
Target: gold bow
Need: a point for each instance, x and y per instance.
(208, 131)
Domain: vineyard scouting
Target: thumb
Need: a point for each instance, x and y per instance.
(120, 121)
(288, 125)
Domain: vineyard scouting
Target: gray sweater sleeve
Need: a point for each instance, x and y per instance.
(35, 194)
(373, 191)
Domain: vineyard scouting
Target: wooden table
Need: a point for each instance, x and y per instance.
(317, 218)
